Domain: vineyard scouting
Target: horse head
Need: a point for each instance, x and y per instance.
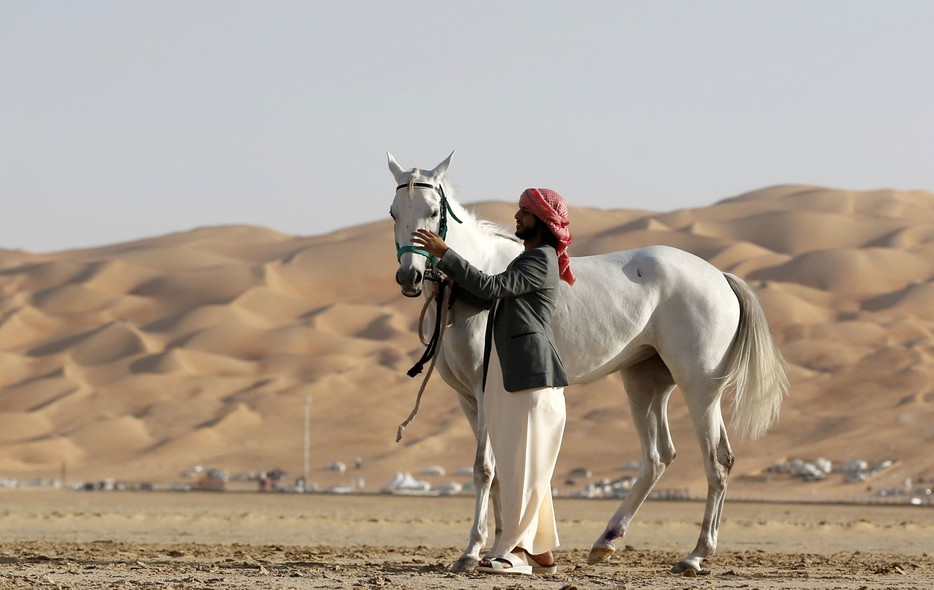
(420, 203)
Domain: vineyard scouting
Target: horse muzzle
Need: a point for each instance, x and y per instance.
(410, 280)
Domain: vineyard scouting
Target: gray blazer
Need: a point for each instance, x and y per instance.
(521, 319)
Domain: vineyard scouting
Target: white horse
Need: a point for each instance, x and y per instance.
(659, 316)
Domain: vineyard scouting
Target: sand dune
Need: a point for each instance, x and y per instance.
(131, 432)
(24, 325)
(795, 232)
(138, 360)
(915, 300)
(275, 307)
(858, 273)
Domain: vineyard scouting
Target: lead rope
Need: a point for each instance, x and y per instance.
(442, 320)
(421, 324)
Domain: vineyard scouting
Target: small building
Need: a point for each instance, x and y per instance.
(210, 484)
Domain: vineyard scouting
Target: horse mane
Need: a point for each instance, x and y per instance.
(487, 227)
(496, 230)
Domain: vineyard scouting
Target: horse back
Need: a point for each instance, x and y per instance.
(628, 305)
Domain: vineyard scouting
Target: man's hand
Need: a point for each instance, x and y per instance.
(430, 242)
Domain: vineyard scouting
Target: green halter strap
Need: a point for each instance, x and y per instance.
(442, 226)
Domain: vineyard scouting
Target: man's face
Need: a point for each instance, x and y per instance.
(526, 224)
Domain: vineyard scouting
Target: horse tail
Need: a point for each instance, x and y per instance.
(755, 371)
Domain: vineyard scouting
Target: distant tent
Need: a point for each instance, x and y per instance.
(403, 482)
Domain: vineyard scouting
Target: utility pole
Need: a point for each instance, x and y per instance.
(307, 440)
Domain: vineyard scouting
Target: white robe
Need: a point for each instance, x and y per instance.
(526, 429)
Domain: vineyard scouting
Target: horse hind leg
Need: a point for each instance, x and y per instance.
(718, 461)
(648, 384)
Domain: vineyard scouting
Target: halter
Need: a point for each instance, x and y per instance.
(442, 226)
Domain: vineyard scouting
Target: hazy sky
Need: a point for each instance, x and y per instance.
(128, 119)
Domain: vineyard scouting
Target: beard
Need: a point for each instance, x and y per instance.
(527, 232)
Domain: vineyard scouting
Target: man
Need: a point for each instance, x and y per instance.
(523, 377)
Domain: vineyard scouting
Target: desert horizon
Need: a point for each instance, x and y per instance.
(141, 360)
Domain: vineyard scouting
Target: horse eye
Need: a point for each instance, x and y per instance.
(434, 213)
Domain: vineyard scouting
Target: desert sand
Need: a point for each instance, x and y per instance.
(137, 361)
(96, 540)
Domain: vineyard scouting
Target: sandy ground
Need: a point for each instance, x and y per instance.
(203, 540)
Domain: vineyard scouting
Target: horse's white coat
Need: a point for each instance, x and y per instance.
(658, 315)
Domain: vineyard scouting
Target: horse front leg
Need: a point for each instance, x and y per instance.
(485, 486)
(483, 479)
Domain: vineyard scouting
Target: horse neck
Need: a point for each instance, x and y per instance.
(488, 252)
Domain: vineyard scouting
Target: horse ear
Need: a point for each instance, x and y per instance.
(395, 168)
(441, 168)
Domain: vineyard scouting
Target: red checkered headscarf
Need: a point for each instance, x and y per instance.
(550, 208)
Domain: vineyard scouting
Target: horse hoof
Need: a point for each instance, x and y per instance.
(599, 553)
(687, 567)
(465, 564)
